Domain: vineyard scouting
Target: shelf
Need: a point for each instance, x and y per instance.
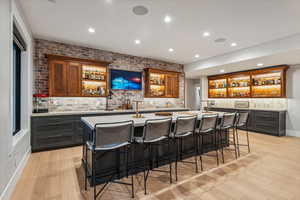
(217, 88)
(157, 85)
(93, 80)
(244, 87)
(266, 85)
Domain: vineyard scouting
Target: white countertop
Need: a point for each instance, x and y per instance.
(104, 112)
(262, 109)
(91, 121)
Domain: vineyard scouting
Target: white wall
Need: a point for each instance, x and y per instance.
(293, 93)
(14, 150)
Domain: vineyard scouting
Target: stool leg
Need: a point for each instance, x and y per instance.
(221, 142)
(238, 142)
(248, 140)
(86, 171)
(202, 146)
(234, 142)
(170, 160)
(196, 152)
(145, 180)
(94, 173)
(129, 152)
(216, 147)
(177, 143)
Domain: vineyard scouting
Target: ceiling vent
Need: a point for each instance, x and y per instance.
(220, 40)
(140, 10)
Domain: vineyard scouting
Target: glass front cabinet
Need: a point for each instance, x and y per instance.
(262, 83)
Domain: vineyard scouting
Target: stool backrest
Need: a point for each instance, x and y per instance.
(112, 134)
(185, 125)
(242, 119)
(228, 120)
(156, 128)
(208, 123)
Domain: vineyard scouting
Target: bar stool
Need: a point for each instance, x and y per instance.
(155, 132)
(242, 123)
(207, 127)
(184, 127)
(108, 137)
(227, 123)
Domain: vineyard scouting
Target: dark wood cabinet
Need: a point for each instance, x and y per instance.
(268, 122)
(161, 83)
(57, 78)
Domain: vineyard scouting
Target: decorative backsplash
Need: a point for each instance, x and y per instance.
(261, 103)
(117, 60)
(60, 104)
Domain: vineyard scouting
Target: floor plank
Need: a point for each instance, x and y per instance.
(271, 171)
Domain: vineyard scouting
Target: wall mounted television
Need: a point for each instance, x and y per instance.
(125, 80)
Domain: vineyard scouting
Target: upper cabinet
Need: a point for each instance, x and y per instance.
(160, 83)
(263, 83)
(72, 77)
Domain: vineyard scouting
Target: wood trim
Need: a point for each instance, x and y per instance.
(72, 59)
(162, 71)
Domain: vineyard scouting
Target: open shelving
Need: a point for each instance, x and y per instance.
(262, 83)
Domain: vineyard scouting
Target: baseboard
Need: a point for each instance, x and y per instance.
(293, 133)
(15, 177)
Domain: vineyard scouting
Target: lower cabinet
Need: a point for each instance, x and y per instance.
(55, 132)
(261, 121)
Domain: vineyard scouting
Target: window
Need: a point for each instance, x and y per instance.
(18, 46)
(16, 88)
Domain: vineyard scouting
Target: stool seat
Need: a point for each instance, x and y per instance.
(106, 147)
(174, 135)
(141, 140)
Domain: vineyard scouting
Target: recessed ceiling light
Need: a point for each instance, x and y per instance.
(222, 70)
(233, 44)
(167, 19)
(91, 30)
(197, 56)
(171, 50)
(137, 41)
(260, 64)
(140, 10)
(206, 34)
(108, 1)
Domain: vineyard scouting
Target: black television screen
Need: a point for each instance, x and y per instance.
(125, 80)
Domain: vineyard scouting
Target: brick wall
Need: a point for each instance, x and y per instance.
(117, 60)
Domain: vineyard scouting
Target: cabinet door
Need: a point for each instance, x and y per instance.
(172, 86)
(58, 78)
(74, 79)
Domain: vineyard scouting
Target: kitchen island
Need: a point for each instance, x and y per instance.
(112, 162)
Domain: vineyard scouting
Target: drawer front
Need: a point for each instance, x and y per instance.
(54, 141)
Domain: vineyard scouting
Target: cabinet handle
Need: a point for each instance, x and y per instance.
(54, 136)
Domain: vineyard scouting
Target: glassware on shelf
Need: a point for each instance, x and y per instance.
(157, 90)
(90, 88)
(93, 73)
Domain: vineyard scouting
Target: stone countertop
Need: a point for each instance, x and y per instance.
(105, 112)
(91, 121)
(260, 109)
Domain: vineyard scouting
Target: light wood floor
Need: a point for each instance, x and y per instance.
(271, 171)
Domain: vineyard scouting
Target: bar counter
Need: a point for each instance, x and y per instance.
(111, 162)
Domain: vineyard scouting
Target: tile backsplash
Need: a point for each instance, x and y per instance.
(60, 104)
(263, 103)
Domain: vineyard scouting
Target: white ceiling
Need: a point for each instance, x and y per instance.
(245, 22)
